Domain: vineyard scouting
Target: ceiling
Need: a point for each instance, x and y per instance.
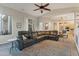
(29, 7)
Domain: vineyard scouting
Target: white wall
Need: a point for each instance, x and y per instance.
(17, 17)
(22, 17)
(55, 15)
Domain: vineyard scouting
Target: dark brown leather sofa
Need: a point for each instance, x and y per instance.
(35, 37)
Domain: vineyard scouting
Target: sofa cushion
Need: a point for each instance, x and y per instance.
(34, 35)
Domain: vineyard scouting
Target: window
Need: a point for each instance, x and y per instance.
(41, 26)
(5, 24)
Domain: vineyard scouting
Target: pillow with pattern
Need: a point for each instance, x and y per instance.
(24, 38)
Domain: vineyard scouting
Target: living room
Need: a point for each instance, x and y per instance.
(42, 30)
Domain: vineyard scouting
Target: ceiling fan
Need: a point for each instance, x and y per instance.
(42, 7)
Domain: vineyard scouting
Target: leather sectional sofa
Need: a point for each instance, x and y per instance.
(26, 40)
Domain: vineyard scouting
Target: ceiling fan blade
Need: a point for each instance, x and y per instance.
(46, 9)
(36, 5)
(46, 5)
(36, 9)
(41, 11)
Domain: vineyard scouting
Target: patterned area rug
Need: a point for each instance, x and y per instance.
(52, 48)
